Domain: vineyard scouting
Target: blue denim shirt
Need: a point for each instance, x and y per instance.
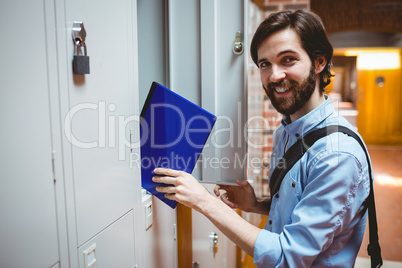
(317, 219)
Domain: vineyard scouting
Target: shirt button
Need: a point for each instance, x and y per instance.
(270, 222)
(293, 184)
(277, 195)
(297, 135)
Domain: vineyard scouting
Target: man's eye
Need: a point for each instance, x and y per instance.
(289, 60)
(264, 64)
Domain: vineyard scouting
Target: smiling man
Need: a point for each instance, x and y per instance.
(318, 216)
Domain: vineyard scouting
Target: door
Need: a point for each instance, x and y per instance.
(204, 69)
(159, 240)
(28, 226)
(99, 113)
(223, 92)
(188, 47)
(378, 103)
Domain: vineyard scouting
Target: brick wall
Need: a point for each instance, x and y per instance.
(374, 15)
(269, 6)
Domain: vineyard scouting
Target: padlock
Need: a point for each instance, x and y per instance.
(81, 62)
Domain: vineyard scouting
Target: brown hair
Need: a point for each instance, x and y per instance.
(311, 31)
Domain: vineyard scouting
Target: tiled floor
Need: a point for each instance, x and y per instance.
(387, 168)
(365, 263)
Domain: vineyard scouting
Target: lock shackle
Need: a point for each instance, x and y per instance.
(78, 50)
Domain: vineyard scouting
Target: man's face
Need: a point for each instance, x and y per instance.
(287, 74)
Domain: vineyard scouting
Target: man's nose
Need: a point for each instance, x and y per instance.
(277, 74)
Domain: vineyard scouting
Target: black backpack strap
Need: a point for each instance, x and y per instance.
(294, 153)
(297, 150)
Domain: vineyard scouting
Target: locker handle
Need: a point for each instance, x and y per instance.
(238, 46)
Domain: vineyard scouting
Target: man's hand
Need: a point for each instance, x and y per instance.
(186, 190)
(241, 196)
(183, 188)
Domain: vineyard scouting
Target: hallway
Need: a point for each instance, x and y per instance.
(387, 168)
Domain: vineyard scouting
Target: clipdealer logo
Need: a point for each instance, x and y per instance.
(107, 135)
(121, 132)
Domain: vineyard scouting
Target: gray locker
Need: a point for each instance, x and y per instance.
(28, 227)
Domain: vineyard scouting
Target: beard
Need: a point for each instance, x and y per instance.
(301, 93)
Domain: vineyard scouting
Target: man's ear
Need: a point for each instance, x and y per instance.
(320, 63)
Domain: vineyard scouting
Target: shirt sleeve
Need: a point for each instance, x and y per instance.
(332, 198)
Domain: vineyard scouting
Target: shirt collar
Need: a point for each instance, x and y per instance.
(309, 121)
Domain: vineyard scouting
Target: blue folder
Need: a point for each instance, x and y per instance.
(173, 132)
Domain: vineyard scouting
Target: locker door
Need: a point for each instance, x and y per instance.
(28, 227)
(224, 93)
(204, 69)
(100, 118)
(158, 240)
(223, 88)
